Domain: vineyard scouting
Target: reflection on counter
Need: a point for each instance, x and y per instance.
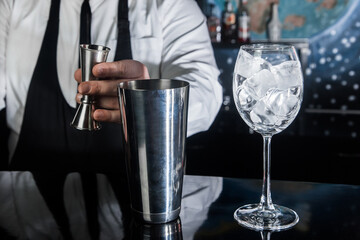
(167, 231)
(53, 205)
(326, 211)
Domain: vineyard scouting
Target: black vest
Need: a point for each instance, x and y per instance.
(50, 148)
(47, 141)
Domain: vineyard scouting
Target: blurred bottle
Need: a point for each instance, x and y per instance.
(229, 23)
(274, 25)
(243, 31)
(214, 25)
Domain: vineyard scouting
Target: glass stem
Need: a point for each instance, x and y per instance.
(265, 201)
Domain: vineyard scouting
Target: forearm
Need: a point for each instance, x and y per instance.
(188, 55)
(205, 94)
(5, 12)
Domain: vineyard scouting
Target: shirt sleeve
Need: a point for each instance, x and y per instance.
(5, 9)
(188, 55)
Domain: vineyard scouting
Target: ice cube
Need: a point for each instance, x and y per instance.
(260, 83)
(288, 74)
(247, 65)
(239, 80)
(244, 99)
(262, 117)
(283, 103)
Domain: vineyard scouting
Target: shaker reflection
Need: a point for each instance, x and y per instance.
(167, 231)
(265, 235)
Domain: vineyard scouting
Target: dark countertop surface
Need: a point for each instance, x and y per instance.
(91, 207)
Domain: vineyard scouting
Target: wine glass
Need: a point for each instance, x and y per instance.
(268, 91)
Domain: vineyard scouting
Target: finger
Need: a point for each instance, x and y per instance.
(128, 69)
(77, 75)
(103, 115)
(107, 102)
(78, 97)
(106, 88)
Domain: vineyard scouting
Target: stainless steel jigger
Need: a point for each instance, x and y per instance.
(90, 55)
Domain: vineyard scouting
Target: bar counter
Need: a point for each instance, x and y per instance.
(326, 211)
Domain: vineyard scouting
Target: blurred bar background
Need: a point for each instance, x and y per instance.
(322, 144)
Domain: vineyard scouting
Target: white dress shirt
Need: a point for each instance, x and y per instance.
(169, 36)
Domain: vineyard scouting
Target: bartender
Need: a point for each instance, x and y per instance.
(39, 46)
(39, 55)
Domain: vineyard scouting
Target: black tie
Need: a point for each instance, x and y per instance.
(85, 23)
(89, 179)
(123, 47)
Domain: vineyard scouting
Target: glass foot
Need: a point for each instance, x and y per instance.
(255, 217)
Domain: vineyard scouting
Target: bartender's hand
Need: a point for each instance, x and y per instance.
(105, 92)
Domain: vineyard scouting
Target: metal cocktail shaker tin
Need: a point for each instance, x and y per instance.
(154, 119)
